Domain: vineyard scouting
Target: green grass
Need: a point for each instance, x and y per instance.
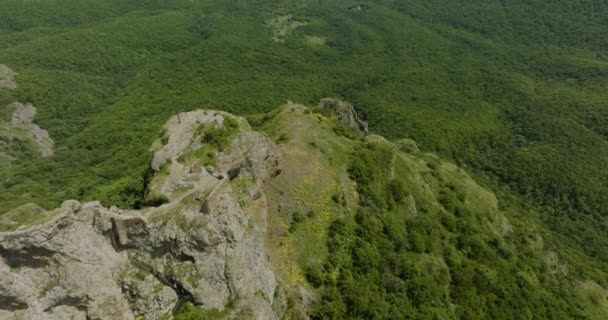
(423, 239)
(310, 177)
(214, 140)
(190, 312)
(28, 214)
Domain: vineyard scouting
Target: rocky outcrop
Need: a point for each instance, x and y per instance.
(345, 112)
(180, 133)
(23, 126)
(92, 262)
(23, 114)
(7, 77)
(64, 268)
(181, 137)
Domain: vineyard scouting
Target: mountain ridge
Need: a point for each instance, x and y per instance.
(252, 219)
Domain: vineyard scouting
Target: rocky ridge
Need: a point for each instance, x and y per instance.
(243, 218)
(91, 262)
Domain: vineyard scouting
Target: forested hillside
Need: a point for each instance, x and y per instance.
(512, 91)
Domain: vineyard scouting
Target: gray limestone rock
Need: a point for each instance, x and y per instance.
(345, 111)
(22, 121)
(91, 262)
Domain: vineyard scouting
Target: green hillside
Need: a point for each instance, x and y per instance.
(511, 91)
(415, 237)
(381, 230)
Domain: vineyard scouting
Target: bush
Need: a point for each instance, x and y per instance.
(155, 200)
(396, 191)
(191, 312)
(296, 219)
(124, 193)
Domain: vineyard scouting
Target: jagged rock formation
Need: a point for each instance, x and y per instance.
(91, 262)
(62, 269)
(345, 111)
(7, 77)
(22, 126)
(23, 121)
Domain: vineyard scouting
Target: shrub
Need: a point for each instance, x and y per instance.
(296, 219)
(156, 200)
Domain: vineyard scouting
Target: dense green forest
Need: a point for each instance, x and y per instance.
(444, 261)
(513, 91)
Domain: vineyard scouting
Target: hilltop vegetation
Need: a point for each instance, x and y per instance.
(420, 239)
(512, 91)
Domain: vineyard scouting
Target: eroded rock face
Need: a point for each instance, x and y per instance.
(91, 262)
(7, 77)
(345, 111)
(22, 120)
(63, 267)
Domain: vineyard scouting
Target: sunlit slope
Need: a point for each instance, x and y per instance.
(382, 230)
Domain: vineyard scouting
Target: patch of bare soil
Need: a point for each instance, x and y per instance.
(282, 26)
